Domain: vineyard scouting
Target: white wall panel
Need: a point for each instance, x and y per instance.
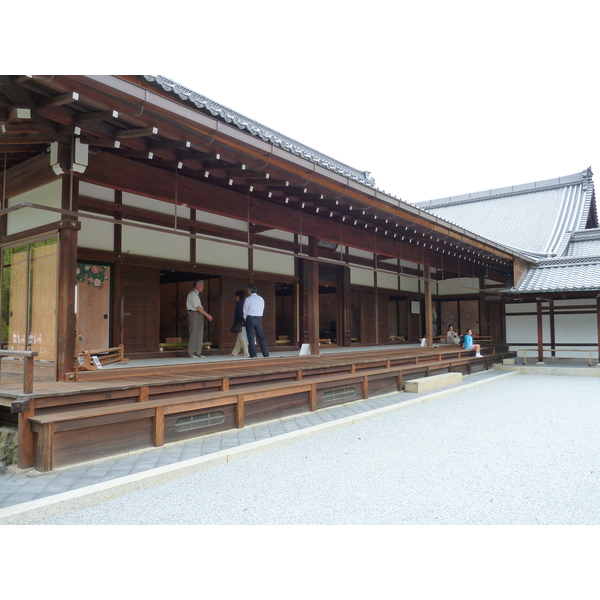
(387, 280)
(522, 329)
(409, 284)
(218, 254)
(96, 234)
(362, 277)
(271, 262)
(96, 191)
(207, 217)
(521, 307)
(458, 286)
(159, 206)
(29, 218)
(155, 243)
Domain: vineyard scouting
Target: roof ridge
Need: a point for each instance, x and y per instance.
(514, 190)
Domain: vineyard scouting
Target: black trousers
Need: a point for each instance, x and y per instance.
(254, 326)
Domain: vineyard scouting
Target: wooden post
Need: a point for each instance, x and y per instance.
(67, 278)
(552, 330)
(311, 296)
(239, 412)
(540, 334)
(313, 397)
(25, 437)
(45, 459)
(428, 305)
(159, 426)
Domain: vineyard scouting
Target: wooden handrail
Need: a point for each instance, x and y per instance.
(28, 356)
(535, 352)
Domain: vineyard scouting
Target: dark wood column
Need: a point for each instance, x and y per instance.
(310, 299)
(552, 329)
(428, 305)
(67, 276)
(540, 333)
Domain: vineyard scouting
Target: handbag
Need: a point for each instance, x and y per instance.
(237, 328)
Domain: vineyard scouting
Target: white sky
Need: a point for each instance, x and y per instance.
(433, 98)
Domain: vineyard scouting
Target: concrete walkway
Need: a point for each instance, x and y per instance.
(24, 494)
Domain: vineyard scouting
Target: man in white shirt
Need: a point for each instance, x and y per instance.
(196, 314)
(254, 306)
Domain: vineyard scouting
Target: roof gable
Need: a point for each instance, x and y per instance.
(536, 218)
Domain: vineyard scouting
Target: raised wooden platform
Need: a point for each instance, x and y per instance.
(111, 411)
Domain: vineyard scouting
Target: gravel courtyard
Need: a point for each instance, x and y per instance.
(524, 450)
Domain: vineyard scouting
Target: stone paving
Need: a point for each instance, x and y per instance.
(20, 487)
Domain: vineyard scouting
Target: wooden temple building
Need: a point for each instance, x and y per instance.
(119, 191)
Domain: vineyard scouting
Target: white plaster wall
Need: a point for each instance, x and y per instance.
(582, 302)
(362, 277)
(29, 218)
(160, 244)
(271, 262)
(361, 253)
(387, 280)
(166, 208)
(521, 307)
(210, 252)
(95, 234)
(96, 191)
(207, 217)
(458, 286)
(409, 284)
(285, 236)
(522, 329)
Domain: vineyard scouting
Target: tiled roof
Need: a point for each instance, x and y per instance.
(562, 275)
(536, 218)
(584, 243)
(256, 129)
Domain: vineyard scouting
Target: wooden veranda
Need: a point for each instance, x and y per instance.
(132, 406)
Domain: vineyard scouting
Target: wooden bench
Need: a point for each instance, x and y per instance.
(535, 351)
(157, 407)
(86, 362)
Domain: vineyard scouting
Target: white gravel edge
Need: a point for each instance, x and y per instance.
(45, 508)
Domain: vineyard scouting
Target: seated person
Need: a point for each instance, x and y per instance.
(469, 345)
(451, 336)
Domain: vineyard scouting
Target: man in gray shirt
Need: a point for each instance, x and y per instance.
(196, 314)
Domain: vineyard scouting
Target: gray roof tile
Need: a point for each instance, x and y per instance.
(560, 275)
(536, 218)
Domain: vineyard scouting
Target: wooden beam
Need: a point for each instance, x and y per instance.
(59, 100)
(135, 133)
(103, 115)
(29, 175)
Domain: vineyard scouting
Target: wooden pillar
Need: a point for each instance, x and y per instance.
(25, 435)
(313, 296)
(67, 280)
(540, 334)
(552, 330)
(428, 306)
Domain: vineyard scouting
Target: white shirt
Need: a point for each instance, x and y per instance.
(193, 300)
(254, 306)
